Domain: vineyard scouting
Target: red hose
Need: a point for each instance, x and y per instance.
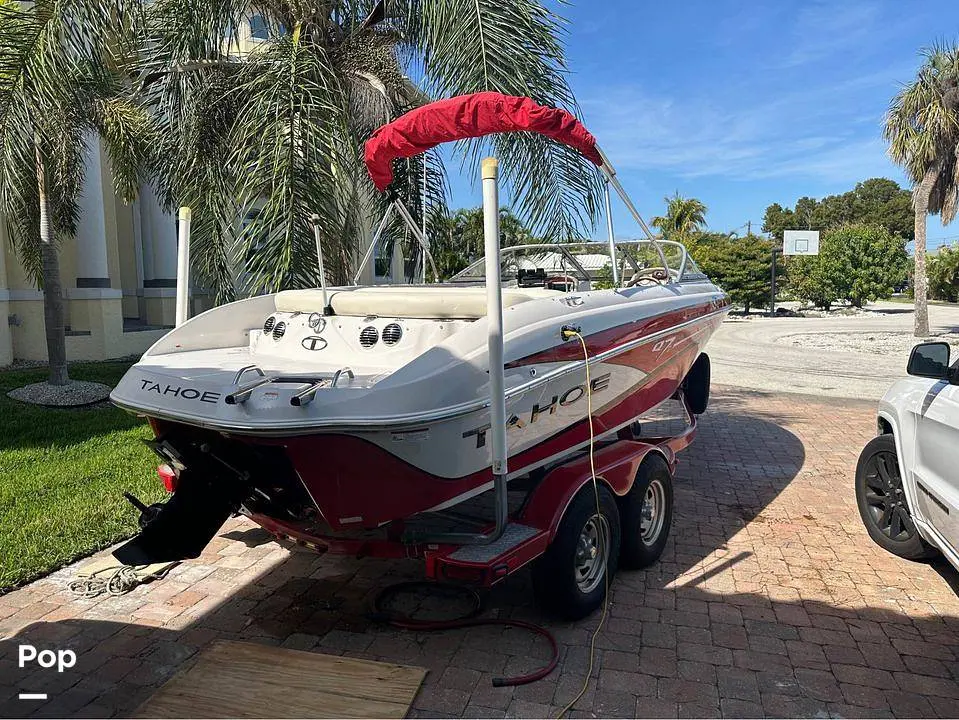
(406, 622)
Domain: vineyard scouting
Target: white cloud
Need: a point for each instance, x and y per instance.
(811, 109)
(822, 30)
(828, 132)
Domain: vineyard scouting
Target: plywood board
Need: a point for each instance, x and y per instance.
(247, 680)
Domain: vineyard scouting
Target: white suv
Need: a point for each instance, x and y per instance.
(907, 479)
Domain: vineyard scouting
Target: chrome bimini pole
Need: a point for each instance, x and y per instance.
(424, 243)
(610, 174)
(610, 235)
(398, 206)
(497, 378)
(372, 248)
(319, 261)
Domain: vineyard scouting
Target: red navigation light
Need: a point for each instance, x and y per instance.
(168, 476)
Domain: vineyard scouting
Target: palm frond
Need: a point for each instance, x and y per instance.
(512, 47)
(922, 127)
(274, 135)
(290, 142)
(56, 57)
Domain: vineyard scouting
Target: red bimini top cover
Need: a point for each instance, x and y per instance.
(470, 116)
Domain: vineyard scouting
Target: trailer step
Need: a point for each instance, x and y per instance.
(487, 564)
(513, 535)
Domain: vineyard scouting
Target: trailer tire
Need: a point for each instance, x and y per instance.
(564, 582)
(647, 514)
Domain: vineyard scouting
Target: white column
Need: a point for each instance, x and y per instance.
(398, 264)
(6, 338)
(4, 284)
(158, 231)
(91, 256)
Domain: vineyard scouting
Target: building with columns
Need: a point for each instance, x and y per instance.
(118, 276)
(119, 273)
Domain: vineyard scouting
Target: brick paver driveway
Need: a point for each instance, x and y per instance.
(770, 600)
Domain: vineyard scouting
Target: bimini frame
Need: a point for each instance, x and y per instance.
(609, 179)
(396, 205)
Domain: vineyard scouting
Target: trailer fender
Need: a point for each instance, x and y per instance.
(616, 466)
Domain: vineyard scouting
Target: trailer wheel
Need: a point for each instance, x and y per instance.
(570, 578)
(647, 514)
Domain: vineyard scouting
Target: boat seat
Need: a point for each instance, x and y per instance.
(412, 301)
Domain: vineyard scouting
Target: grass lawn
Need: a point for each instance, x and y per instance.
(62, 475)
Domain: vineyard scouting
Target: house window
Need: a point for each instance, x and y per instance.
(258, 28)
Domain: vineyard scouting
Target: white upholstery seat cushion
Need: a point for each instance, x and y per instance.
(413, 301)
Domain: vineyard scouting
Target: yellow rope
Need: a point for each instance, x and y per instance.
(592, 470)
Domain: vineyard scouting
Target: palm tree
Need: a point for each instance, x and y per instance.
(278, 127)
(684, 217)
(922, 128)
(61, 84)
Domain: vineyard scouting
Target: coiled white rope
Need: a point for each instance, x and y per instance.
(119, 582)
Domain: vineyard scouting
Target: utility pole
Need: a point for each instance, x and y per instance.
(772, 295)
(749, 228)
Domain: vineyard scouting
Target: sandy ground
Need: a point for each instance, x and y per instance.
(857, 356)
(873, 343)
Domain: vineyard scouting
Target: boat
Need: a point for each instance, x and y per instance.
(351, 411)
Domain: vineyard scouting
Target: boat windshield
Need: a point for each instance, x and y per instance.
(583, 265)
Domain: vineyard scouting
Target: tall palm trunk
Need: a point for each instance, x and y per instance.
(52, 290)
(920, 281)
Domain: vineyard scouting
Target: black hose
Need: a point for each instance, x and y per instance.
(405, 622)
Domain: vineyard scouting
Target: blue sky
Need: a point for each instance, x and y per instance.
(743, 104)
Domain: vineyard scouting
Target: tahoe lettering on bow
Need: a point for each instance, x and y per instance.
(178, 391)
(575, 393)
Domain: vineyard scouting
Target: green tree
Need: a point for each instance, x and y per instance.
(944, 274)
(877, 262)
(880, 201)
(684, 217)
(740, 266)
(816, 278)
(922, 128)
(777, 219)
(62, 85)
(604, 278)
(857, 263)
(281, 127)
(875, 201)
(457, 239)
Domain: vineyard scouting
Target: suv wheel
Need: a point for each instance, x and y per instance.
(882, 501)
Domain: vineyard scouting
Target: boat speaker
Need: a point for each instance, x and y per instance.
(369, 336)
(392, 334)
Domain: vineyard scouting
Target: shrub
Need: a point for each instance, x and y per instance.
(740, 266)
(857, 263)
(943, 271)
